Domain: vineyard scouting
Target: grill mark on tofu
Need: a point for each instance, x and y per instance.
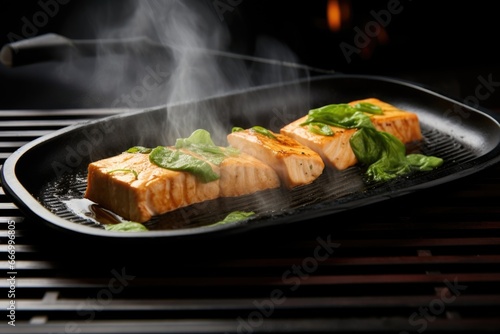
(158, 190)
(400, 123)
(244, 174)
(294, 163)
(334, 150)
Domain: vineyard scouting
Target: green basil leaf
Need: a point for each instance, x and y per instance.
(198, 137)
(263, 131)
(234, 217)
(139, 149)
(367, 145)
(179, 161)
(369, 108)
(385, 155)
(340, 115)
(423, 162)
(237, 129)
(321, 129)
(126, 226)
(392, 161)
(124, 170)
(200, 142)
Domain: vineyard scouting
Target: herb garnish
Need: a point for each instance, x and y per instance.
(234, 217)
(126, 226)
(321, 129)
(339, 115)
(257, 128)
(200, 142)
(125, 170)
(177, 160)
(383, 153)
(139, 149)
(263, 131)
(369, 108)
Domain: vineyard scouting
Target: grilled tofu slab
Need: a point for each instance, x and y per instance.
(136, 189)
(294, 163)
(336, 150)
(400, 123)
(112, 184)
(244, 174)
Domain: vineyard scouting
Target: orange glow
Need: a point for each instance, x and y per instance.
(334, 15)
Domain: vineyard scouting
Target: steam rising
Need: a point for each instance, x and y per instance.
(184, 27)
(184, 56)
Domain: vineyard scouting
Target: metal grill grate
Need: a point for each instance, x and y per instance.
(427, 262)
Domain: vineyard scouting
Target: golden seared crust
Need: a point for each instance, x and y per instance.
(243, 174)
(336, 150)
(400, 123)
(294, 163)
(155, 191)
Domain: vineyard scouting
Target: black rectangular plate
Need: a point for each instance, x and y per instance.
(467, 138)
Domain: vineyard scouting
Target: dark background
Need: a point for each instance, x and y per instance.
(448, 46)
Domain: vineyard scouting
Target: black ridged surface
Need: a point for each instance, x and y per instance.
(330, 187)
(466, 146)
